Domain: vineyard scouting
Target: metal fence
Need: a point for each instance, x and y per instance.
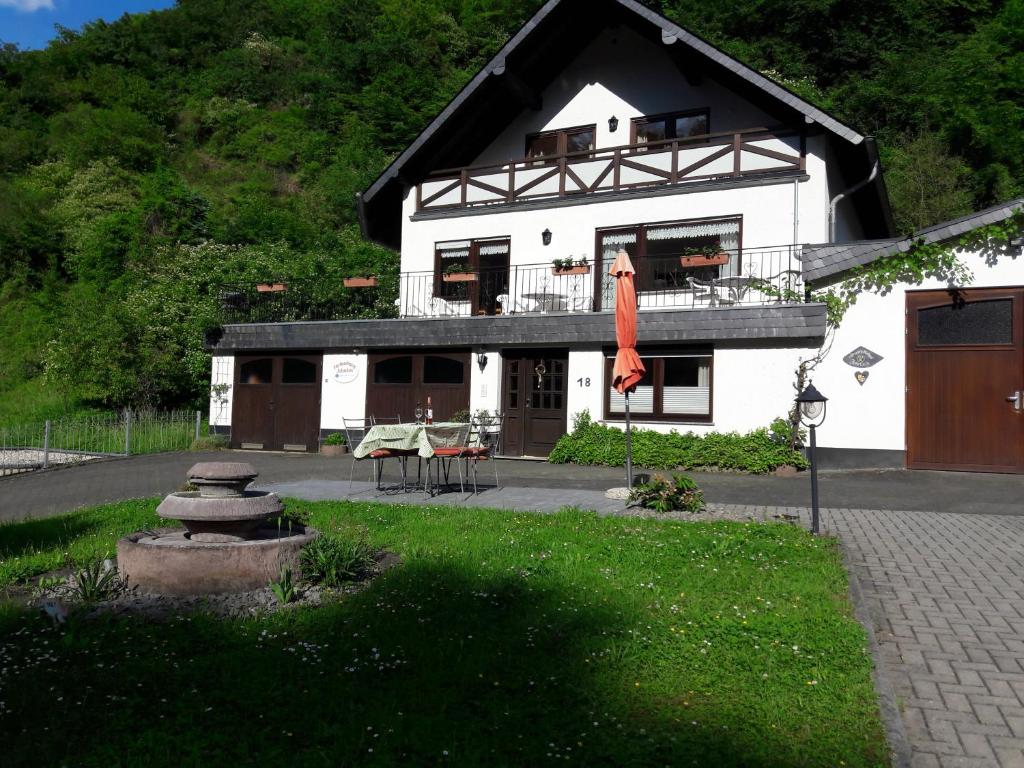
(29, 447)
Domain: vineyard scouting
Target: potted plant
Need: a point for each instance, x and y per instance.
(334, 444)
(569, 267)
(271, 287)
(366, 281)
(459, 273)
(708, 256)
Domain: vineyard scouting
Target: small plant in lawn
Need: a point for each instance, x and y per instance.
(331, 560)
(48, 586)
(209, 443)
(335, 438)
(676, 494)
(284, 587)
(95, 582)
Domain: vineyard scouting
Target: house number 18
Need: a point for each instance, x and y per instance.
(583, 382)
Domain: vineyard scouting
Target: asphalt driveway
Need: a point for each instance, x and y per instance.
(64, 489)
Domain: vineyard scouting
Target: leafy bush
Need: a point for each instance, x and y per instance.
(209, 443)
(332, 560)
(335, 438)
(668, 495)
(95, 582)
(596, 444)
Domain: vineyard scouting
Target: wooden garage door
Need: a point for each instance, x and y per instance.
(400, 380)
(965, 368)
(276, 402)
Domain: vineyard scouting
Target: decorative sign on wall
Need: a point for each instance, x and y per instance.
(861, 377)
(862, 357)
(345, 372)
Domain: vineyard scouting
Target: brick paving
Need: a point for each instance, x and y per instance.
(945, 596)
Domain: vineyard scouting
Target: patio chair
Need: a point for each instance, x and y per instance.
(355, 431)
(483, 443)
(517, 306)
(702, 290)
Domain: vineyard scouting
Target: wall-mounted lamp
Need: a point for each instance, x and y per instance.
(481, 361)
(546, 236)
(613, 124)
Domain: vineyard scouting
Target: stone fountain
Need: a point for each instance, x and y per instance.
(228, 543)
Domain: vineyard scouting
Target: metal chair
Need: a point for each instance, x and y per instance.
(355, 431)
(482, 444)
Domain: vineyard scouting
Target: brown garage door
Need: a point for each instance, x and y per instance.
(965, 373)
(399, 380)
(276, 402)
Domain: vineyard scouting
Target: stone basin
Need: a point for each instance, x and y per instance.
(221, 518)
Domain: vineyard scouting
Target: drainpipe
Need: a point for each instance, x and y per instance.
(845, 193)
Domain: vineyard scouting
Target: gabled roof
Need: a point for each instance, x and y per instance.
(825, 260)
(534, 56)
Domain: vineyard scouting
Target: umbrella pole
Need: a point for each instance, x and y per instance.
(629, 449)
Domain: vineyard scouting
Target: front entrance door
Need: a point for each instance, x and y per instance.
(965, 380)
(276, 402)
(535, 400)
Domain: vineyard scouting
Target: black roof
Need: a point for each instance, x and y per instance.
(827, 259)
(530, 60)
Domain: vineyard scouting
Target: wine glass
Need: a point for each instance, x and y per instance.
(419, 414)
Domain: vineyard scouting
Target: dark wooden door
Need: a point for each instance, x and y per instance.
(535, 393)
(401, 380)
(276, 402)
(965, 364)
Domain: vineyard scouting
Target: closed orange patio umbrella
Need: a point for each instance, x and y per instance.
(628, 369)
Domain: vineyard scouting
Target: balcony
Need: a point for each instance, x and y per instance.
(749, 277)
(693, 159)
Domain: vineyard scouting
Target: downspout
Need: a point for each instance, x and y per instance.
(875, 169)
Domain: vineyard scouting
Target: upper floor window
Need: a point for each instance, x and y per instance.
(551, 143)
(673, 125)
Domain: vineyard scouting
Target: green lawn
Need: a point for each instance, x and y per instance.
(502, 639)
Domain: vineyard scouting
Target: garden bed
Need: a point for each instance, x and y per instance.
(500, 638)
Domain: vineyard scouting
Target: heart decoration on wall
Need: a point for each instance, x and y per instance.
(861, 377)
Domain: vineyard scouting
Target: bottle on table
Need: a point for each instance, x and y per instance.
(430, 412)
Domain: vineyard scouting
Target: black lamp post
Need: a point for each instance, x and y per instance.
(812, 415)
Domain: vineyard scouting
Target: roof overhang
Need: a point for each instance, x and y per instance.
(513, 79)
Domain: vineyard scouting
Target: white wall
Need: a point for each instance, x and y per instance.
(741, 401)
(485, 386)
(340, 397)
(222, 372)
(872, 415)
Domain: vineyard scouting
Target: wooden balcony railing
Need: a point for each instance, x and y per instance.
(673, 161)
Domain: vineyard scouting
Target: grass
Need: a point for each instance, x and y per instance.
(502, 639)
(32, 401)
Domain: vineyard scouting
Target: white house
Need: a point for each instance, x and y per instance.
(599, 126)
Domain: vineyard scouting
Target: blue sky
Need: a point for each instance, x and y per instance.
(30, 23)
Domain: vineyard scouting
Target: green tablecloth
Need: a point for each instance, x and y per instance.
(422, 438)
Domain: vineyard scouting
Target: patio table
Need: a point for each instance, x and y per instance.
(421, 438)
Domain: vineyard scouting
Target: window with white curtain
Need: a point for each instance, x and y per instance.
(675, 387)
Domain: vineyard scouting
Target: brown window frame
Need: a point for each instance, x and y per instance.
(658, 376)
(669, 118)
(473, 262)
(562, 143)
(641, 245)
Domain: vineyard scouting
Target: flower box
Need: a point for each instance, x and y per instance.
(705, 260)
(271, 287)
(460, 277)
(580, 269)
(333, 450)
(360, 282)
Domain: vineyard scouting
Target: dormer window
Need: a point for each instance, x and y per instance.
(551, 143)
(672, 125)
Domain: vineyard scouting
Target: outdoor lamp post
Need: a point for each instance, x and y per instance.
(812, 415)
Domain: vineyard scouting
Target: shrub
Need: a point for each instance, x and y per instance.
(332, 560)
(668, 495)
(335, 438)
(209, 443)
(596, 444)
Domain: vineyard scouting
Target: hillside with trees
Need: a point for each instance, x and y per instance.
(146, 162)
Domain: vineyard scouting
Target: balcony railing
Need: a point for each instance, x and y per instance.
(751, 277)
(672, 161)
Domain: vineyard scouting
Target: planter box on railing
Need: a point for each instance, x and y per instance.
(360, 282)
(702, 260)
(577, 270)
(460, 277)
(271, 287)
